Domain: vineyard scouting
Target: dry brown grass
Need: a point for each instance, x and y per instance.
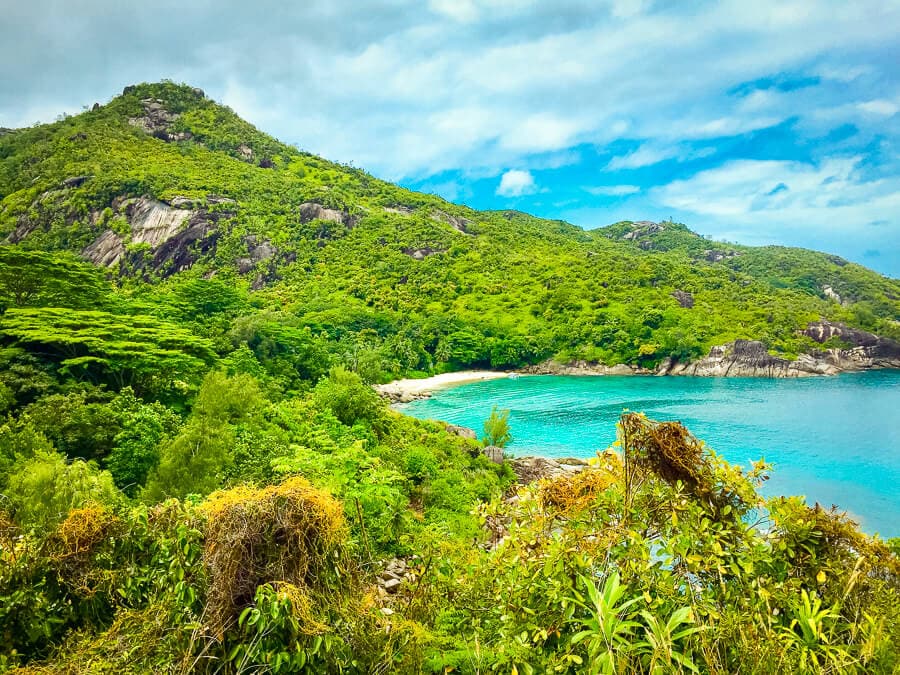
(281, 533)
(572, 493)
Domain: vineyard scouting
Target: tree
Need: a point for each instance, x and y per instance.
(348, 397)
(44, 489)
(141, 351)
(39, 278)
(496, 428)
(196, 460)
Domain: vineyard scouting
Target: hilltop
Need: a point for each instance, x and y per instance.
(162, 186)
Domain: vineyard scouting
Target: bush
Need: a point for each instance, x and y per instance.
(44, 489)
(348, 397)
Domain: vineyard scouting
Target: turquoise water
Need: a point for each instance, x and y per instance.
(835, 440)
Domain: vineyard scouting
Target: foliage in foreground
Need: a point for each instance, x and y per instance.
(661, 558)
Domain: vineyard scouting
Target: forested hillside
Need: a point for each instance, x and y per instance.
(178, 199)
(196, 475)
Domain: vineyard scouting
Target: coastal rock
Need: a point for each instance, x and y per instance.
(465, 432)
(493, 453)
(750, 358)
(530, 469)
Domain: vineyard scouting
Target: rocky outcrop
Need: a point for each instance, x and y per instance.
(643, 228)
(75, 181)
(457, 223)
(154, 222)
(258, 250)
(717, 255)
(106, 250)
(400, 209)
(180, 251)
(831, 294)
(157, 121)
(422, 253)
(493, 453)
(464, 432)
(684, 299)
(750, 358)
(312, 211)
(530, 469)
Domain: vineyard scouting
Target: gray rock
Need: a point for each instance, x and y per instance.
(75, 181)
(456, 222)
(155, 120)
(154, 222)
(182, 203)
(750, 358)
(493, 453)
(684, 299)
(311, 211)
(218, 199)
(716, 255)
(422, 253)
(392, 585)
(530, 469)
(106, 250)
(465, 432)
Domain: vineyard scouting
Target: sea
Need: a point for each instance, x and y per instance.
(834, 440)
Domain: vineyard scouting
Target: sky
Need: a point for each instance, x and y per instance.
(764, 122)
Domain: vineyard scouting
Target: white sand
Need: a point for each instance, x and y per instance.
(407, 389)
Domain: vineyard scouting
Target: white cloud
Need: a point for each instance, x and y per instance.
(515, 183)
(880, 107)
(771, 200)
(648, 155)
(613, 190)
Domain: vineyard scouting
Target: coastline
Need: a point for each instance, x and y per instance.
(405, 390)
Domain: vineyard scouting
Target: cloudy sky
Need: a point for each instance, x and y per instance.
(772, 121)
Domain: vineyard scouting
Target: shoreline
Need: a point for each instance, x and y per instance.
(411, 389)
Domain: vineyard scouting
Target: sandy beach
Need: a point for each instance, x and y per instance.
(410, 389)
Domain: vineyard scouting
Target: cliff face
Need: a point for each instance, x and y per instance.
(749, 358)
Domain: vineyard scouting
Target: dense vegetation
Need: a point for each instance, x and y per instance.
(195, 475)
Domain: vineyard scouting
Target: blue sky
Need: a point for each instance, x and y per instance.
(764, 122)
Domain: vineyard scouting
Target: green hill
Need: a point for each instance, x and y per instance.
(162, 185)
(196, 474)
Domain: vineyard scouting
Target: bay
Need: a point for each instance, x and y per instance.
(834, 440)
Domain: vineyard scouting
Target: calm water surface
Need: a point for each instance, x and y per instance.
(835, 440)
